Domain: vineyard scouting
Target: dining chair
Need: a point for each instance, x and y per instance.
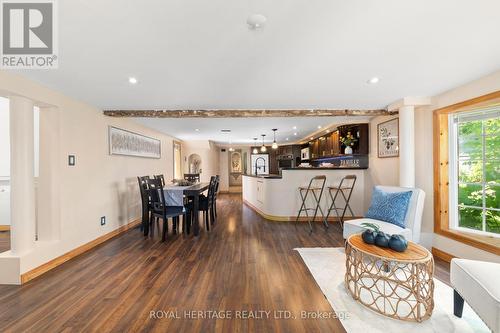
(206, 204)
(145, 199)
(215, 196)
(192, 177)
(160, 177)
(159, 208)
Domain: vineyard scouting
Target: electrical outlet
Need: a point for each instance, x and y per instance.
(103, 220)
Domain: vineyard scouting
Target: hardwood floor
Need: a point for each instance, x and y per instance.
(4, 241)
(243, 263)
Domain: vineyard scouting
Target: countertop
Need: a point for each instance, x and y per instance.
(274, 176)
(270, 176)
(327, 168)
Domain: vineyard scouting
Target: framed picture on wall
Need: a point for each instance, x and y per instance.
(123, 142)
(388, 138)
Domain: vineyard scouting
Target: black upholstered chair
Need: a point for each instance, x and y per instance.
(145, 199)
(217, 178)
(160, 177)
(159, 208)
(206, 204)
(192, 177)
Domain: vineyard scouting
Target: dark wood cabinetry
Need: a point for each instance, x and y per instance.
(314, 147)
(273, 161)
(360, 132)
(329, 145)
(335, 138)
(288, 152)
(285, 150)
(320, 149)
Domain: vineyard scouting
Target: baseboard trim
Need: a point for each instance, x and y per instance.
(36, 272)
(288, 218)
(437, 253)
(4, 227)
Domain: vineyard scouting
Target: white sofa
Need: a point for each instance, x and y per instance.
(477, 282)
(413, 217)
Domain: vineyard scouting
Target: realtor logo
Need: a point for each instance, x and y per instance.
(29, 34)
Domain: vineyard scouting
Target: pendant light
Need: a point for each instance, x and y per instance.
(263, 149)
(275, 145)
(255, 150)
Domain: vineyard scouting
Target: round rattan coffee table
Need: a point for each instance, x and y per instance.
(396, 284)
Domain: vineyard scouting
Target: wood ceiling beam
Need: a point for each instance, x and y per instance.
(244, 113)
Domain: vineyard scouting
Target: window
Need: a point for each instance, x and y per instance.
(466, 172)
(474, 171)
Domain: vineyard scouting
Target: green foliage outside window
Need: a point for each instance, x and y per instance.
(478, 175)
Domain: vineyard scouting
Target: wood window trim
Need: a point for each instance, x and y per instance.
(441, 177)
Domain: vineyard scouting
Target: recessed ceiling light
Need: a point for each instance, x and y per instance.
(373, 80)
(197, 129)
(132, 80)
(327, 131)
(286, 139)
(294, 127)
(295, 133)
(311, 138)
(319, 126)
(256, 21)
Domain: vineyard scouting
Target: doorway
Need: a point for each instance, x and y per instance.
(177, 160)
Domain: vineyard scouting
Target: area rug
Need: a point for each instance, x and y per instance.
(327, 265)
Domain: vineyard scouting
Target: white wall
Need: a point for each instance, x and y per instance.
(4, 138)
(381, 171)
(4, 162)
(424, 161)
(5, 157)
(224, 165)
(99, 184)
(223, 170)
(209, 154)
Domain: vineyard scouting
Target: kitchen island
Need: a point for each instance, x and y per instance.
(277, 197)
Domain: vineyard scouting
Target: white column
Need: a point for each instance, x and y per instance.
(407, 146)
(22, 179)
(48, 209)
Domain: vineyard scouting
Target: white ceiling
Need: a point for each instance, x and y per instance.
(199, 54)
(311, 54)
(244, 130)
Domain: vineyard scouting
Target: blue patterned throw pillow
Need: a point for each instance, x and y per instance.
(389, 207)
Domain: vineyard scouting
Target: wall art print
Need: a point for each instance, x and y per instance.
(123, 142)
(388, 138)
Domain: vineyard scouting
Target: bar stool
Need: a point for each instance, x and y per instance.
(345, 189)
(316, 184)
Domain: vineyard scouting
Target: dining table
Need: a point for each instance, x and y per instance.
(173, 192)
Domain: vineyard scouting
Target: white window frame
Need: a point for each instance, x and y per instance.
(453, 177)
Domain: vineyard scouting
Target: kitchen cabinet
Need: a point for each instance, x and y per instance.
(323, 147)
(273, 161)
(314, 146)
(335, 139)
(360, 132)
(285, 150)
(329, 145)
